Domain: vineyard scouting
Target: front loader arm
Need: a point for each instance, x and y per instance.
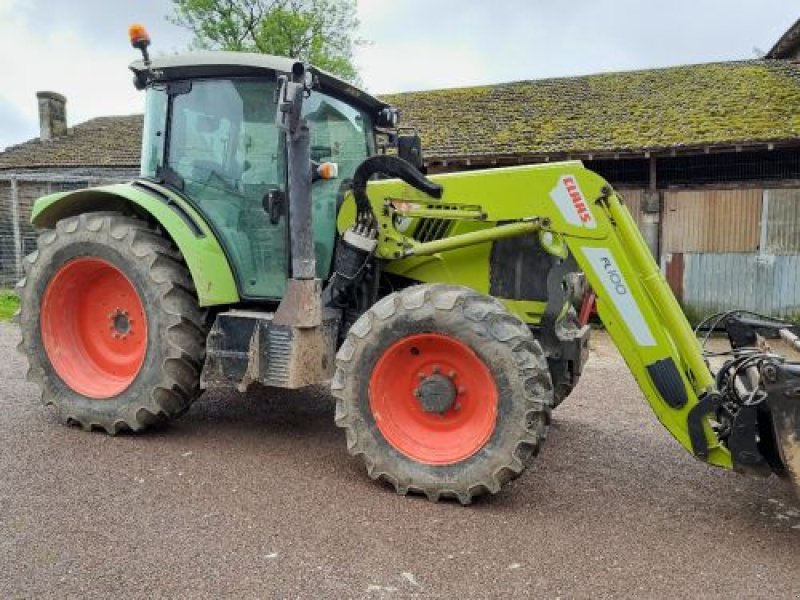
(649, 328)
(636, 306)
(570, 207)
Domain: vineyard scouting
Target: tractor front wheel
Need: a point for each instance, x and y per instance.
(112, 330)
(443, 392)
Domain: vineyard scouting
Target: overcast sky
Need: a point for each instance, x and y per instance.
(80, 49)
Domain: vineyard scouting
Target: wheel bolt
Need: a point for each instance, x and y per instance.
(436, 368)
(452, 374)
(456, 406)
(421, 375)
(462, 389)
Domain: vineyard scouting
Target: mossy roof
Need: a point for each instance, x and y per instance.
(718, 104)
(679, 107)
(100, 142)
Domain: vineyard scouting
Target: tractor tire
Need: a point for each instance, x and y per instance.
(110, 324)
(443, 392)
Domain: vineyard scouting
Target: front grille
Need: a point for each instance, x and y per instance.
(430, 230)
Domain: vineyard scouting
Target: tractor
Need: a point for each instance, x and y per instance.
(283, 233)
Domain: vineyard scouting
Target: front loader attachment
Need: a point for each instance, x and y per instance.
(782, 386)
(743, 416)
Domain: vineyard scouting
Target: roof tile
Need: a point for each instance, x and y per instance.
(687, 106)
(100, 142)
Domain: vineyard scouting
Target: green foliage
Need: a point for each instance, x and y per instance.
(317, 31)
(9, 303)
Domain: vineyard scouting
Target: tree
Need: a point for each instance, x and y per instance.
(317, 31)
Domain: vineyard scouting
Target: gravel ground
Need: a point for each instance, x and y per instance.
(255, 496)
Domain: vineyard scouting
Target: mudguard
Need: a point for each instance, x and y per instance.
(208, 265)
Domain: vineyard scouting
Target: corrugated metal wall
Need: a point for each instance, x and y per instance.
(768, 284)
(18, 192)
(711, 221)
(783, 222)
(718, 255)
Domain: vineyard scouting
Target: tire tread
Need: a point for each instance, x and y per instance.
(177, 383)
(489, 318)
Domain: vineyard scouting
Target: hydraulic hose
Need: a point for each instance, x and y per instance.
(392, 166)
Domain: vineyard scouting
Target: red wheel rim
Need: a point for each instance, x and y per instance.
(440, 437)
(93, 327)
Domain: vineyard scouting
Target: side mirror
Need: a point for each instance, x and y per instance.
(409, 148)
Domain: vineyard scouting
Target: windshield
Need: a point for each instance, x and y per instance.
(340, 133)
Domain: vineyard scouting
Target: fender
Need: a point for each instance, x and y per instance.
(209, 267)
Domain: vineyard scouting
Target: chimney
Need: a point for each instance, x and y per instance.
(52, 115)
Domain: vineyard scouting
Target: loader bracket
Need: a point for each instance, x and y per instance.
(517, 268)
(574, 352)
(557, 295)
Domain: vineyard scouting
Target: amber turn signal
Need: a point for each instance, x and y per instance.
(328, 170)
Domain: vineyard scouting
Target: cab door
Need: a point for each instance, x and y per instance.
(224, 145)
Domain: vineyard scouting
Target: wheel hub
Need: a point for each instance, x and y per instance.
(120, 324)
(436, 393)
(94, 327)
(433, 398)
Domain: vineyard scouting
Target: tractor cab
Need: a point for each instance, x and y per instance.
(212, 132)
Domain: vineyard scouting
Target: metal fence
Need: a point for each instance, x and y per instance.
(18, 192)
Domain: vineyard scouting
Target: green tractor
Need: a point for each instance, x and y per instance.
(282, 233)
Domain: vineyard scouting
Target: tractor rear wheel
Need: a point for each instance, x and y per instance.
(443, 392)
(110, 324)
